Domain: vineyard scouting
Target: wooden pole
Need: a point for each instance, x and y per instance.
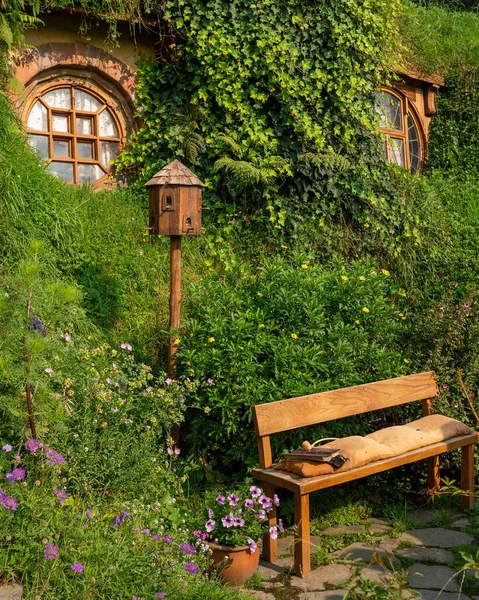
(175, 302)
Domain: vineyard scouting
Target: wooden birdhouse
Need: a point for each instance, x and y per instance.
(175, 201)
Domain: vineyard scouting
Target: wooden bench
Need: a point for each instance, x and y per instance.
(276, 417)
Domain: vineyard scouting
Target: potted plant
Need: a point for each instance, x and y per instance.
(234, 524)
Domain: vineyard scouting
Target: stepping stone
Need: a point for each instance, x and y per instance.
(323, 577)
(342, 529)
(286, 545)
(388, 546)
(374, 573)
(268, 570)
(12, 591)
(329, 595)
(361, 551)
(437, 537)
(259, 595)
(424, 554)
(379, 525)
(432, 595)
(461, 524)
(285, 563)
(432, 578)
(422, 516)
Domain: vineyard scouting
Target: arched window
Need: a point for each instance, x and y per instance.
(404, 144)
(76, 129)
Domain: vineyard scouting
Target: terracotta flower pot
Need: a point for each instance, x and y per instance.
(237, 564)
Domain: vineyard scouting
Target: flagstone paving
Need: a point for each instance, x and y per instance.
(424, 557)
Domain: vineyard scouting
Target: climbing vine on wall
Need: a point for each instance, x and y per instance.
(286, 92)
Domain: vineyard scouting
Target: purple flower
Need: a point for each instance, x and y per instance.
(168, 381)
(228, 521)
(88, 514)
(210, 525)
(255, 491)
(233, 499)
(32, 445)
(238, 522)
(9, 503)
(167, 539)
(154, 537)
(276, 500)
(147, 531)
(126, 347)
(187, 548)
(125, 515)
(77, 567)
(61, 495)
(211, 514)
(220, 499)
(160, 594)
(273, 532)
(210, 381)
(204, 536)
(249, 503)
(197, 533)
(265, 502)
(280, 525)
(262, 514)
(7, 448)
(2, 495)
(191, 568)
(54, 457)
(149, 389)
(252, 545)
(16, 475)
(116, 521)
(51, 551)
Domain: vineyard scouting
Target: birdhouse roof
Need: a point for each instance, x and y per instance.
(175, 174)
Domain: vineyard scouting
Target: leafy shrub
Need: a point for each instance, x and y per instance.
(293, 327)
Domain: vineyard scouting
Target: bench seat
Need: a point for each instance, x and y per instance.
(285, 415)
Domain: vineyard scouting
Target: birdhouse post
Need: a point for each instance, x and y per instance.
(174, 210)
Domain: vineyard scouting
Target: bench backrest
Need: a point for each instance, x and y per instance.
(275, 417)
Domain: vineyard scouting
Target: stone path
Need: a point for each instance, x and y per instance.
(424, 560)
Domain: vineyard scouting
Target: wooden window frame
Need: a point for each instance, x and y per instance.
(407, 109)
(72, 135)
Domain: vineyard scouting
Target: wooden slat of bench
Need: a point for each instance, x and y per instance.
(306, 485)
(284, 415)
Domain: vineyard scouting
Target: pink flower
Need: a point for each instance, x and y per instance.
(77, 567)
(168, 381)
(48, 370)
(273, 532)
(177, 451)
(67, 337)
(126, 346)
(32, 445)
(252, 545)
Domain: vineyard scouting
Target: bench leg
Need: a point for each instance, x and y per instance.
(270, 546)
(302, 545)
(433, 477)
(467, 476)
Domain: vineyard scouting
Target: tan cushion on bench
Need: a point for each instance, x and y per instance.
(357, 450)
(402, 439)
(441, 426)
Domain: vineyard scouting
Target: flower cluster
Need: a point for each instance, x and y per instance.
(240, 518)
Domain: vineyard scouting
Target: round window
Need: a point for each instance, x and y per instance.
(74, 129)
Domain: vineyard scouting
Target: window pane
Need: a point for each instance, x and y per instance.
(108, 151)
(84, 126)
(61, 148)
(59, 123)
(62, 170)
(414, 145)
(396, 151)
(40, 144)
(389, 109)
(107, 125)
(59, 98)
(85, 150)
(37, 119)
(89, 173)
(86, 102)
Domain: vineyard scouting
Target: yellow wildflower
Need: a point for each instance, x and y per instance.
(365, 309)
(260, 294)
(304, 267)
(406, 360)
(294, 336)
(373, 272)
(188, 364)
(357, 322)
(344, 277)
(385, 272)
(284, 247)
(211, 340)
(362, 278)
(176, 342)
(401, 315)
(261, 325)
